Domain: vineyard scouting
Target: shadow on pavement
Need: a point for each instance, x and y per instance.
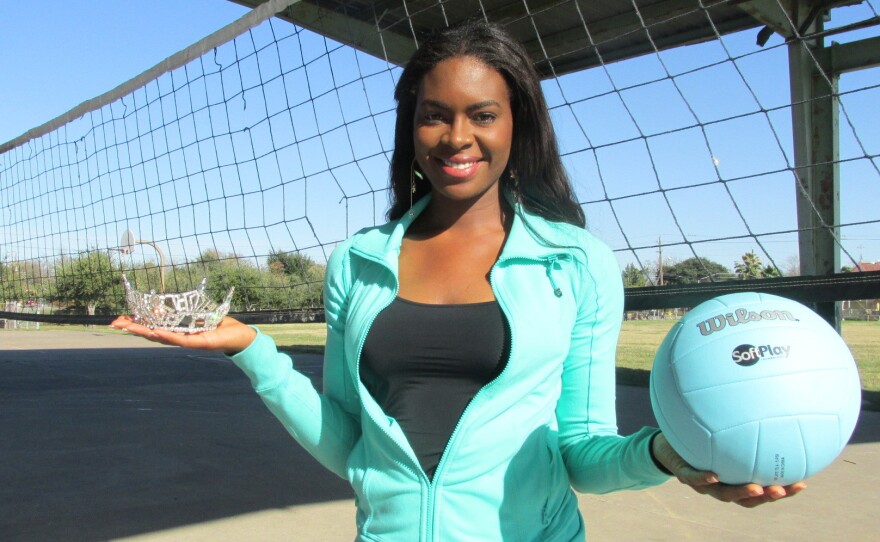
(112, 442)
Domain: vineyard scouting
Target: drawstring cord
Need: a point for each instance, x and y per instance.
(550, 262)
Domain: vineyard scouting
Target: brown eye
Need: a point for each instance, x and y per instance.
(432, 118)
(484, 118)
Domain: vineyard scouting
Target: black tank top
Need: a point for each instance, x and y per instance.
(424, 363)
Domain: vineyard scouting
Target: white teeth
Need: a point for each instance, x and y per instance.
(456, 165)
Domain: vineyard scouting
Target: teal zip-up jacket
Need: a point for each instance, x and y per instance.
(545, 425)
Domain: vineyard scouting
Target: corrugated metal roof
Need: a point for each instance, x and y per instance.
(561, 35)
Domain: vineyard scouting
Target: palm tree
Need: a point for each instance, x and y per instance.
(751, 266)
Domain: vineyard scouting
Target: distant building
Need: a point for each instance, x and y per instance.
(868, 309)
(867, 266)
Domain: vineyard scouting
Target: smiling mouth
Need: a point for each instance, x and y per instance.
(458, 165)
(458, 169)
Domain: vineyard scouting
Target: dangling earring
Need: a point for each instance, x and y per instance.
(413, 174)
(514, 184)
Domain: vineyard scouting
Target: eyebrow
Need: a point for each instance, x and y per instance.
(473, 107)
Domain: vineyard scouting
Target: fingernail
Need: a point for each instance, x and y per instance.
(711, 479)
(756, 492)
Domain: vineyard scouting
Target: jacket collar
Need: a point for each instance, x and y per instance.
(534, 237)
(382, 243)
(531, 236)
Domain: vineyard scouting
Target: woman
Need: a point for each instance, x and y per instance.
(469, 366)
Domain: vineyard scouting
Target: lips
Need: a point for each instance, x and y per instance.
(458, 167)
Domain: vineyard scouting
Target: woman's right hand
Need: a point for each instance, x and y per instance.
(230, 336)
(706, 483)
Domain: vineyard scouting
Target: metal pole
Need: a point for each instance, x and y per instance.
(816, 153)
(161, 263)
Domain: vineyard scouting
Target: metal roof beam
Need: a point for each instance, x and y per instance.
(778, 15)
(575, 43)
(846, 57)
(344, 28)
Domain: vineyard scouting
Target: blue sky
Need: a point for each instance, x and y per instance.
(58, 54)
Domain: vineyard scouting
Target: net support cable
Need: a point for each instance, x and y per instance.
(181, 58)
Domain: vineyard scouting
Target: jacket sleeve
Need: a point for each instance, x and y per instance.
(318, 421)
(597, 459)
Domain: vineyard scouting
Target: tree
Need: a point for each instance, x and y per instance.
(692, 270)
(633, 277)
(311, 291)
(289, 263)
(289, 280)
(248, 281)
(91, 281)
(304, 277)
(750, 267)
(792, 266)
(22, 280)
(11, 280)
(211, 257)
(770, 271)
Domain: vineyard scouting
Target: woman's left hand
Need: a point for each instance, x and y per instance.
(229, 337)
(706, 483)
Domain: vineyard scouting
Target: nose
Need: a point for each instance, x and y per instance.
(459, 134)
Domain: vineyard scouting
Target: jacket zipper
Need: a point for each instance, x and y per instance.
(383, 424)
(549, 261)
(357, 367)
(418, 472)
(433, 483)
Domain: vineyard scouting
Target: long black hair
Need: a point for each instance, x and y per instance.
(543, 184)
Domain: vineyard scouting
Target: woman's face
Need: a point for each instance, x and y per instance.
(463, 128)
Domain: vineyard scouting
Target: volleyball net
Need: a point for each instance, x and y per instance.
(249, 156)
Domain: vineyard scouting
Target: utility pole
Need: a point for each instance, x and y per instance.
(660, 261)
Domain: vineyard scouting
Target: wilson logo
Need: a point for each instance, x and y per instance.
(739, 317)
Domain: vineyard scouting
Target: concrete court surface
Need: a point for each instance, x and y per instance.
(109, 437)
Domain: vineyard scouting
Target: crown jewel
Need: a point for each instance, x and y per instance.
(186, 312)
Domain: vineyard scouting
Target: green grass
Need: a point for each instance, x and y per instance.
(863, 339)
(635, 353)
(639, 341)
(306, 338)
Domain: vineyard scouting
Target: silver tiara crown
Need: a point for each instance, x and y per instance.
(186, 312)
